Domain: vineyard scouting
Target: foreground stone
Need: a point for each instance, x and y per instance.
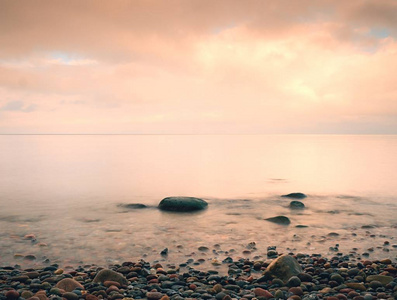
(283, 267)
(182, 204)
(110, 275)
(68, 284)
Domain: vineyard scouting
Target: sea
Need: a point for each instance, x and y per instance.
(63, 198)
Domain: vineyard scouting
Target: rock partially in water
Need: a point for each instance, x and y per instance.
(182, 204)
(281, 220)
(296, 205)
(283, 267)
(134, 205)
(110, 275)
(295, 195)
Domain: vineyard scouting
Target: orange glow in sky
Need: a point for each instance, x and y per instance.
(185, 66)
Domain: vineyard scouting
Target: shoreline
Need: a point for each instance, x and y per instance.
(313, 276)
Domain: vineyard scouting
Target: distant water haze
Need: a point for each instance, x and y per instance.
(67, 191)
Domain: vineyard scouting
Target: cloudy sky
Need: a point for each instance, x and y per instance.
(198, 66)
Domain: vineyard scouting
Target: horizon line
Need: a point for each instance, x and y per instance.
(4, 134)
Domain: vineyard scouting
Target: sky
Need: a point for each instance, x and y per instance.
(198, 67)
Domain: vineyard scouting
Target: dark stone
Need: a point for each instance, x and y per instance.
(295, 195)
(296, 205)
(293, 281)
(134, 205)
(281, 220)
(182, 204)
(70, 296)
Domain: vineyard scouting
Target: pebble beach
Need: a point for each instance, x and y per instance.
(285, 276)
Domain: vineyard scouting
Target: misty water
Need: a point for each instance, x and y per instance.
(69, 191)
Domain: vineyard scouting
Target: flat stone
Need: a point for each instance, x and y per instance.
(281, 220)
(356, 286)
(295, 195)
(383, 279)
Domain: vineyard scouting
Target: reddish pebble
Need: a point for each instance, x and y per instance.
(173, 275)
(386, 261)
(353, 294)
(12, 295)
(161, 271)
(294, 297)
(193, 287)
(296, 290)
(90, 297)
(259, 292)
(112, 288)
(341, 297)
(367, 262)
(109, 283)
(154, 295)
(154, 280)
(346, 291)
(331, 298)
(227, 297)
(165, 297)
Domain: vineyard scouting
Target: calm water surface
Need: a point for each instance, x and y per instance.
(67, 191)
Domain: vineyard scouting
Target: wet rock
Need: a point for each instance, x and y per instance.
(68, 284)
(259, 292)
(134, 205)
(12, 295)
(154, 295)
(356, 286)
(110, 275)
(384, 280)
(182, 204)
(284, 267)
(281, 220)
(70, 296)
(293, 281)
(295, 195)
(296, 205)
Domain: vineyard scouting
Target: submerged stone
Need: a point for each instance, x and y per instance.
(281, 220)
(182, 204)
(134, 205)
(295, 195)
(296, 205)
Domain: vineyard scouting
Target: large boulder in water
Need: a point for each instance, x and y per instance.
(295, 195)
(283, 267)
(281, 220)
(182, 204)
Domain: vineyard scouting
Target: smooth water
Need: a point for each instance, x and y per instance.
(67, 190)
